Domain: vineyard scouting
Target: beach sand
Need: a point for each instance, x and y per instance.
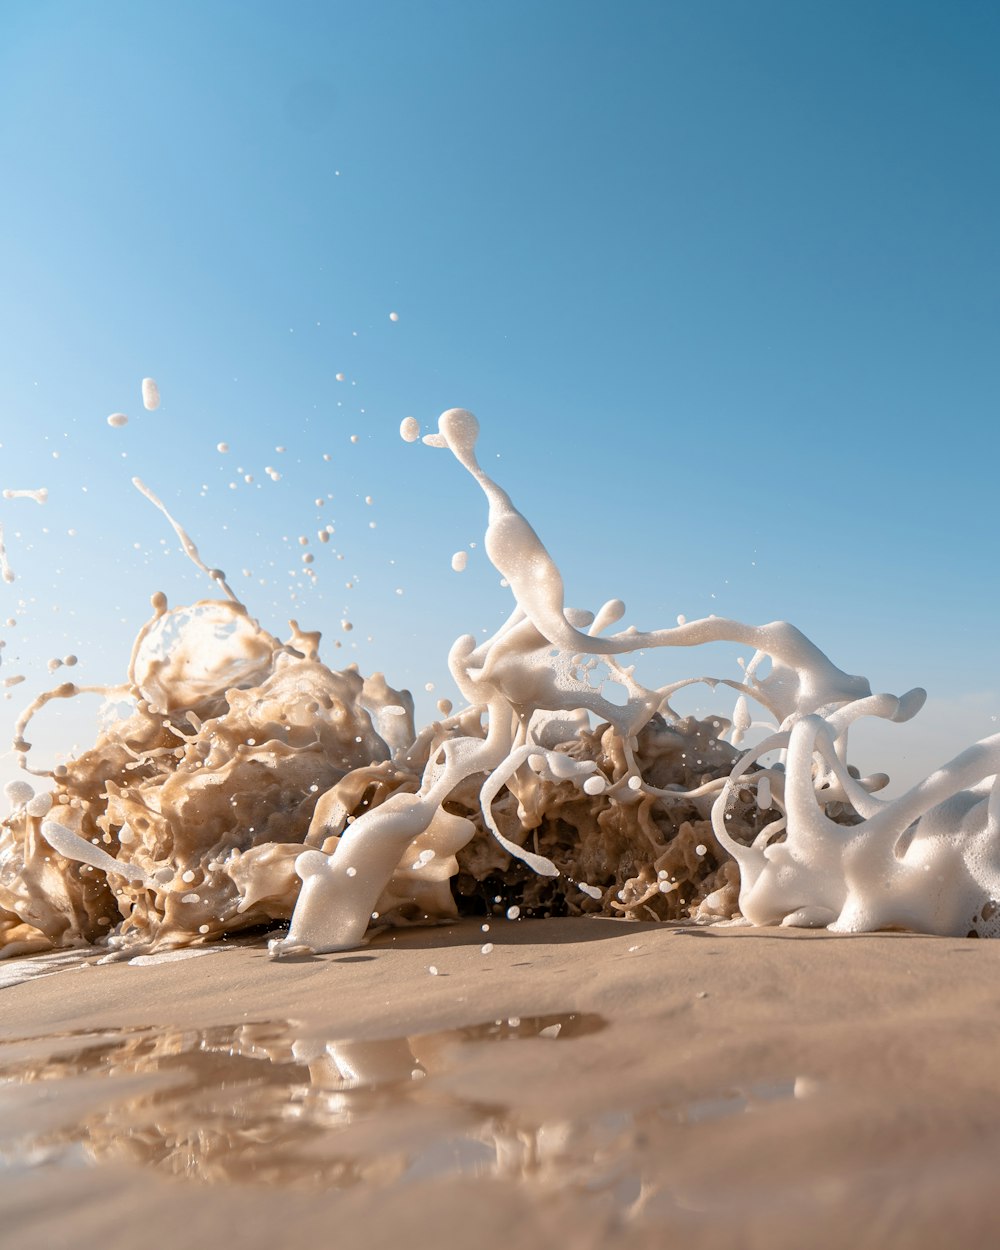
(632, 1085)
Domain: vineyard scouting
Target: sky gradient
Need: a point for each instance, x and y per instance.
(719, 279)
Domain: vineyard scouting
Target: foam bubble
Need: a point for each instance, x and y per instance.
(19, 792)
(38, 806)
(150, 395)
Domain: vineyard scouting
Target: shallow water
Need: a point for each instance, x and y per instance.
(269, 1104)
(710, 1088)
(264, 1102)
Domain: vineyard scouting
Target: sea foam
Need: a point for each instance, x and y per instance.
(248, 782)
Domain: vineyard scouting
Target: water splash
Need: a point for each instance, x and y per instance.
(246, 781)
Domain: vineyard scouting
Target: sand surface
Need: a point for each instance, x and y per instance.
(629, 1085)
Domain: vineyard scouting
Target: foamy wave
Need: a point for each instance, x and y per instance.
(248, 782)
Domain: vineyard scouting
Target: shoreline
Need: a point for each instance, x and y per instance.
(762, 1085)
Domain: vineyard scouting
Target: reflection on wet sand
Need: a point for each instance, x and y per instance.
(268, 1103)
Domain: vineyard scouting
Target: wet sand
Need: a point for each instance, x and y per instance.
(633, 1084)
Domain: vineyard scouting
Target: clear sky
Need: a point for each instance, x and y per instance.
(719, 278)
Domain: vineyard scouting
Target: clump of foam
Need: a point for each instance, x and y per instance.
(515, 676)
(241, 780)
(150, 395)
(5, 570)
(186, 816)
(41, 495)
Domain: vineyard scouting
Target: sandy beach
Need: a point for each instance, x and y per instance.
(588, 1083)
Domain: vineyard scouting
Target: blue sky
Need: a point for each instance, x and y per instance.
(720, 280)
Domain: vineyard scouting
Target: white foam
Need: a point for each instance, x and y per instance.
(150, 395)
(170, 957)
(811, 877)
(29, 968)
(834, 854)
(5, 569)
(19, 792)
(40, 495)
(70, 844)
